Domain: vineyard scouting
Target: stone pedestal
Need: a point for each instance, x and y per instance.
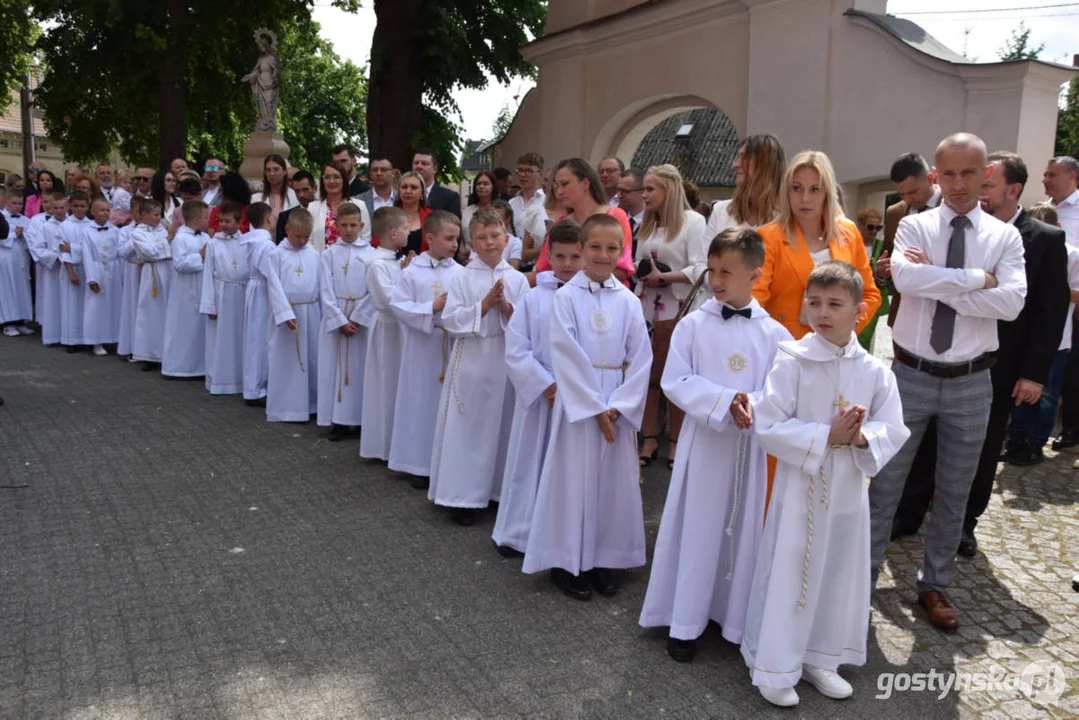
(257, 147)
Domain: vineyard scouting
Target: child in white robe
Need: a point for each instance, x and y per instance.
(73, 278)
(418, 301)
(712, 522)
(342, 345)
(131, 271)
(184, 348)
(588, 517)
(528, 365)
(476, 407)
(385, 340)
(832, 417)
(153, 251)
(224, 281)
(104, 279)
(44, 245)
(257, 318)
(17, 305)
(292, 277)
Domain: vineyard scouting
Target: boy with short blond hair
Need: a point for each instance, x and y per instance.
(153, 252)
(44, 245)
(256, 334)
(292, 277)
(385, 340)
(184, 353)
(588, 517)
(104, 279)
(73, 277)
(342, 341)
(224, 281)
(476, 405)
(418, 301)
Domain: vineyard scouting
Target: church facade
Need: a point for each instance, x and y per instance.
(840, 76)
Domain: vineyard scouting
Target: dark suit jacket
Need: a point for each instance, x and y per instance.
(357, 187)
(442, 198)
(892, 216)
(282, 221)
(1028, 343)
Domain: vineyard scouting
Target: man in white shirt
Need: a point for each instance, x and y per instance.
(1059, 179)
(610, 172)
(960, 271)
(211, 178)
(529, 177)
(381, 193)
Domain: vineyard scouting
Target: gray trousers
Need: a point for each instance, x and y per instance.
(961, 407)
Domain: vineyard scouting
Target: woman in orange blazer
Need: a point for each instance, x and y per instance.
(810, 230)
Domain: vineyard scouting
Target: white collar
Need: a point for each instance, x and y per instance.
(253, 235)
(477, 263)
(385, 253)
(435, 263)
(1072, 199)
(814, 348)
(715, 307)
(1018, 212)
(948, 214)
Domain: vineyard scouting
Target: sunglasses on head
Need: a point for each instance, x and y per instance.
(212, 168)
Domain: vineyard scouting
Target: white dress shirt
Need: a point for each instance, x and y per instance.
(1068, 215)
(377, 201)
(991, 246)
(520, 206)
(932, 202)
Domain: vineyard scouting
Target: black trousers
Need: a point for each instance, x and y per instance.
(1069, 394)
(1004, 379)
(920, 485)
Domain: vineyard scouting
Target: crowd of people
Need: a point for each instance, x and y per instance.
(511, 348)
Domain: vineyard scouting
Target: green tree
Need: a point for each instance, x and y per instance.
(1018, 46)
(1068, 123)
(145, 77)
(17, 35)
(424, 49)
(502, 122)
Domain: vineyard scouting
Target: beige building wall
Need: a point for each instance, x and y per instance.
(610, 70)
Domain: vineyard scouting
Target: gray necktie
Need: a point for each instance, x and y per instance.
(940, 334)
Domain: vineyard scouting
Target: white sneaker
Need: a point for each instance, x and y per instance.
(827, 682)
(100, 350)
(780, 697)
(10, 331)
(23, 330)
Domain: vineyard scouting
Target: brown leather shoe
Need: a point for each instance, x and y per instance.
(941, 614)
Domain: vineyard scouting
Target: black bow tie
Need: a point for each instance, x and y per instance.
(729, 312)
(560, 284)
(198, 232)
(15, 215)
(101, 229)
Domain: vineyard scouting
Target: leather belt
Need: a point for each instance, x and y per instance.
(945, 370)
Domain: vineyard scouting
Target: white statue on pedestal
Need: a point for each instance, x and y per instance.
(265, 80)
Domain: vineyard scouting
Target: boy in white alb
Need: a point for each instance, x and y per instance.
(292, 278)
(476, 407)
(528, 365)
(153, 251)
(184, 349)
(712, 522)
(16, 302)
(831, 415)
(104, 279)
(131, 271)
(342, 345)
(588, 517)
(73, 278)
(385, 339)
(257, 317)
(224, 280)
(418, 301)
(44, 246)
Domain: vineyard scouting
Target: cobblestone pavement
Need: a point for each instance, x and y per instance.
(174, 555)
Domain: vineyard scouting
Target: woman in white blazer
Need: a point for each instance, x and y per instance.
(669, 245)
(275, 190)
(332, 191)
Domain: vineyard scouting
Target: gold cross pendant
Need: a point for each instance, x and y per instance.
(436, 286)
(299, 270)
(841, 403)
(234, 265)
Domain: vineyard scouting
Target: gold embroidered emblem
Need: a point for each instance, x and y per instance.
(736, 362)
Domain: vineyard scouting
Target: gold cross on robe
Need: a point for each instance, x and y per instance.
(299, 270)
(841, 404)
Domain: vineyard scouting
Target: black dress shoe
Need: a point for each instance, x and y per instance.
(1066, 440)
(507, 552)
(337, 433)
(260, 402)
(1075, 582)
(463, 516)
(602, 581)
(968, 546)
(71, 349)
(1008, 452)
(573, 585)
(150, 366)
(421, 483)
(1027, 456)
(681, 650)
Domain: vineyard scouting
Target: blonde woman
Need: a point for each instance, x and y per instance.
(810, 230)
(669, 259)
(537, 220)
